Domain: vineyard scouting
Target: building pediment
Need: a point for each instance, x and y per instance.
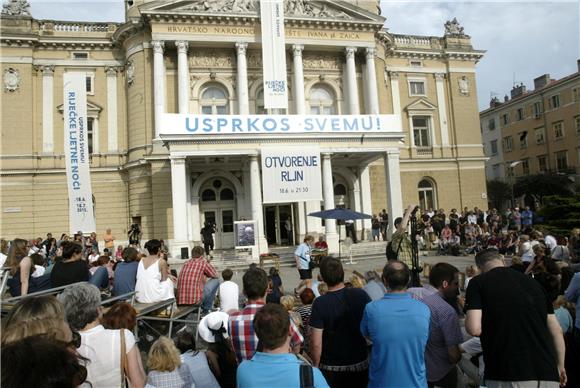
(420, 105)
(294, 9)
(91, 108)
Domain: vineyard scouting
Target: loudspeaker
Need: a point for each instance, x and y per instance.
(184, 253)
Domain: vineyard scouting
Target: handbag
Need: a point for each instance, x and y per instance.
(306, 376)
(124, 361)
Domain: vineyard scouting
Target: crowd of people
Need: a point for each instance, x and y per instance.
(511, 323)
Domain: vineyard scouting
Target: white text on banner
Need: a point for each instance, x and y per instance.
(78, 174)
(274, 54)
(291, 174)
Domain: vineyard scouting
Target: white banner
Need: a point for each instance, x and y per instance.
(185, 124)
(274, 54)
(291, 174)
(78, 175)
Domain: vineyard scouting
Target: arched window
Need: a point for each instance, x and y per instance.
(260, 110)
(226, 195)
(322, 100)
(427, 195)
(208, 195)
(214, 100)
(340, 189)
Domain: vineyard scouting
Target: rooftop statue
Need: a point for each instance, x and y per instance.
(453, 28)
(16, 8)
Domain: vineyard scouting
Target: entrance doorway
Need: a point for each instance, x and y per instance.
(223, 219)
(280, 227)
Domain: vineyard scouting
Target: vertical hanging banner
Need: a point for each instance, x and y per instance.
(78, 174)
(274, 54)
(291, 174)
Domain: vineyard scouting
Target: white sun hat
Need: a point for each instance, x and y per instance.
(212, 324)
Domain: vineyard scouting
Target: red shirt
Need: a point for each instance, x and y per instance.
(192, 279)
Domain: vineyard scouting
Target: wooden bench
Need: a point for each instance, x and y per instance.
(273, 258)
(167, 311)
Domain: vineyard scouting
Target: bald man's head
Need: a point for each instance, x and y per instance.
(396, 275)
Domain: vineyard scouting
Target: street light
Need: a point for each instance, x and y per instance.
(513, 180)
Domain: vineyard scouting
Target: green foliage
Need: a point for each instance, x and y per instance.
(541, 185)
(498, 192)
(560, 214)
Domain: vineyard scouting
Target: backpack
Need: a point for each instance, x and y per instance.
(391, 253)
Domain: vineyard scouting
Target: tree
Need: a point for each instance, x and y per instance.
(560, 214)
(498, 192)
(540, 185)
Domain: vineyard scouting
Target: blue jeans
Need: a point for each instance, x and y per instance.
(209, 290)
(100, 278)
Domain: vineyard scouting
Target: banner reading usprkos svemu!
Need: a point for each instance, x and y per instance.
(78, 175)
(274, 54)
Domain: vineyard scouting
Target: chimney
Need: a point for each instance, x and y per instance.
(518, 90)
(541, 81)
(578, 64)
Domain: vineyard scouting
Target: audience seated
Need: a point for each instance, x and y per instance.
(213, 329)
(154, 283)
(195, 360)
(165, 366)
(126, 272)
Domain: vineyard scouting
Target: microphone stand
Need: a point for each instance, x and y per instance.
(415, 269)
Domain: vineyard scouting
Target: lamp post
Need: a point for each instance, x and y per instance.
(513, 179)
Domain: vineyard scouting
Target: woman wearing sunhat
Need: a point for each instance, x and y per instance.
(213, 329)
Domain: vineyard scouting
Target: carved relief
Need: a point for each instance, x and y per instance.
(212, 59)
(306, 8)
(16, 8)
(254, 59)
(130, 72)
(463, 86)
(236, 6)
(11, 80)
(318, 61)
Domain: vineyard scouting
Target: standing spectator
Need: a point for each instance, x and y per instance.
(165, 366)
(527, 218)
(241, 327)
(109, 240)
(197, 281)
(302, 257)
(513, 316)
(275, 288)
(442, 352)
(229, 292)
(400, 241)
(289, 233)
(21, 269)
(376, 228)
(126, 272)
(134, 234)
(336, 344)
(273, 365)
(350, 230)
(384, 220)
(398, 327)
(207, 237)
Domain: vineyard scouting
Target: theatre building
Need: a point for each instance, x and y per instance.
(205, 58)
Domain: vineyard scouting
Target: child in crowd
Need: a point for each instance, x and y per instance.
(229, 292)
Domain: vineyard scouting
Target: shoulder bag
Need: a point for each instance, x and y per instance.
(306, 376)
(124, 361)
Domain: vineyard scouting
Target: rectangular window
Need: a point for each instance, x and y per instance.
(495, 169)
(505, 119)
(542, 163)
(558, 130)
(417, 88)
(90, 126)
(540, 135)
(576, 94)
(508, 143)
(523, 136)
(562, 160)
(554, 101)
(577, 124)
(80, 55)
(537, 108)
(421, 131)
(491, 124)
(416, 63)
(526, 166)
(520, 114)
(90, 84)
(493, 147)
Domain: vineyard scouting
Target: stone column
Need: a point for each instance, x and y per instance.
(299, 100)
(243, 100)
(257, 214)
(366, 201)
(112, 129)
(352, 87)
(371, 82)
(158, 83)
(195, 219)
(393, 180)
(328, 194)
(440, 86)
(47, 108)
(179, 194)
(182, 75)
(395, 94)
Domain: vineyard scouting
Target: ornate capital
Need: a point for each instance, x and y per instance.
(439, 76)
(111, 71)
(177, 161)
(241, 48)
(394, 75)
(47, 70)
(182, 46)
(158, 46)
(370, 53)
(350, 52)
(297, 50)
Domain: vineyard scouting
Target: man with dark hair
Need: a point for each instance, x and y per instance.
(398, 327)
(229, 292)
(241, 326)
(197, 281)
(336, 344)
(400, 241)
(273, 365)
(520, 335)
(442, 352)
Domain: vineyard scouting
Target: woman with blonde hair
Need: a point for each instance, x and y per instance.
(40, 315)
(165, 366)
(21, 269)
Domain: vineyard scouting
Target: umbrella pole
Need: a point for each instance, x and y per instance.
(339, 246)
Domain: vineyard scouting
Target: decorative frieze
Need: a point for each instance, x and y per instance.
(321, 61)
(212, 59)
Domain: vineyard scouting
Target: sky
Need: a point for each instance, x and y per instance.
(523, 39)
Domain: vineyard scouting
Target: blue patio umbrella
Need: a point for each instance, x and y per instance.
(340, 214)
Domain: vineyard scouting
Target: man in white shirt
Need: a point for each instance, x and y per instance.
(228, 292)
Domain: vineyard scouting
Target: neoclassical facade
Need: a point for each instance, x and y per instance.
(205, 58)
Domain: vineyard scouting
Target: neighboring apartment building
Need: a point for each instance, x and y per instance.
(534, 131)
(204, 57)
